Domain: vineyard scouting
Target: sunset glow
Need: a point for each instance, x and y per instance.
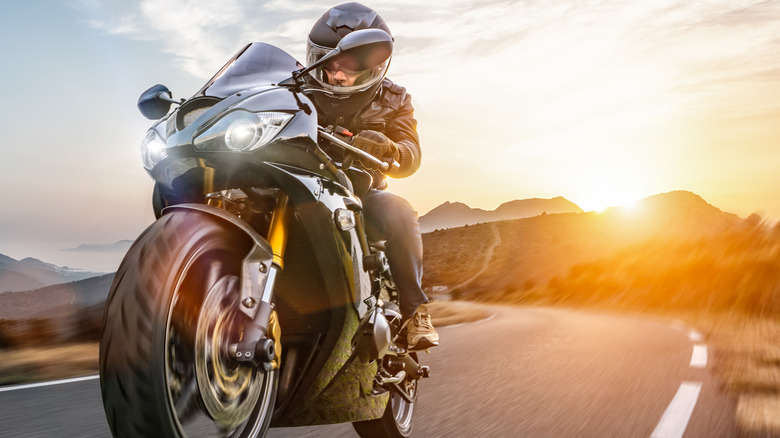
(601, 103)
(597, 203)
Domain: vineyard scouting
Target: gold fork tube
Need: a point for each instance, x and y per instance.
(208, 176)
(277, 232)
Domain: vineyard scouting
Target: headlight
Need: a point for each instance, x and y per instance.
(152, 149)
(242, 131)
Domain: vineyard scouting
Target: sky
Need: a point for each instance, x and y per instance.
(601, 102)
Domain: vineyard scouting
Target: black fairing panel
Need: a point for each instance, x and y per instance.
(327, 255)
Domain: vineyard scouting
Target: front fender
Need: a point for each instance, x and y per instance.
(256, 265)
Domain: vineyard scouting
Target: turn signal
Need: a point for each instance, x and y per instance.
(345, 219)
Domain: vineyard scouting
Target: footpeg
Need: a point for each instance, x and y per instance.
(384, 380)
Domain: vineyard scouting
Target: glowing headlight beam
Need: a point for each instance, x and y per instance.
(153, 149)
(242, 131)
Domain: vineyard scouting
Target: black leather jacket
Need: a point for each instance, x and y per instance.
(391, 113)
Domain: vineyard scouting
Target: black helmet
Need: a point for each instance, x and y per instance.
(347, 97)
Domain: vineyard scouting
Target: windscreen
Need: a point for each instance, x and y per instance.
(254, 65)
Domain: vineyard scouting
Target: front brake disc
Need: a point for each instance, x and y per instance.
(229, 390)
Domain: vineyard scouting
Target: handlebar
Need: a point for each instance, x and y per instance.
(383, 166)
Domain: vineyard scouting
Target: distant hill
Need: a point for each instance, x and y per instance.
(30, 273)
(536, 249)
(70, 312)
(56, 300)
(121, 246)
(679, 212)
(457, 214)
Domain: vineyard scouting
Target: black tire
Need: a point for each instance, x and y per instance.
(397, 420)
(174, 295)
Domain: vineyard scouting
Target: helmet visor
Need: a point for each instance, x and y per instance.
(345, 74)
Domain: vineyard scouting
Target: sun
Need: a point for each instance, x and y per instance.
(602, 196)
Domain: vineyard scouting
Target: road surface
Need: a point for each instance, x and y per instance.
(526, 372)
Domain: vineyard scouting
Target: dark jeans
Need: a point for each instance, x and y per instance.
(391, 218)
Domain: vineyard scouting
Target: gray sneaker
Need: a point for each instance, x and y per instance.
(420, 334)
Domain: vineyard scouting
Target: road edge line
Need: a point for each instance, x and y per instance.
(49, 383)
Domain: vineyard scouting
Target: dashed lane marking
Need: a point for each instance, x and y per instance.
(695, 336)
(675, 419)
(699, 357)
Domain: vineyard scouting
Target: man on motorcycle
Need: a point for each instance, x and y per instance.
(381, 116)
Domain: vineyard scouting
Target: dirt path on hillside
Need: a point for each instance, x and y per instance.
(486, 260)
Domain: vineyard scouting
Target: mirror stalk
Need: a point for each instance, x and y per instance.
(166, 98)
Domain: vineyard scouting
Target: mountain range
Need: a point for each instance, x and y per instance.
(30, 273)
(70, 312)
(527, 254)
(55, 301)
(534, 250)
(457, 214)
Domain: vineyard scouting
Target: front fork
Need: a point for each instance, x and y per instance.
(261, 339)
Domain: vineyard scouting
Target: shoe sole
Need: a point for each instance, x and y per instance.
(423, 344)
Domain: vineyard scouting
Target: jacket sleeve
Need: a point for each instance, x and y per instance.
(402, 129)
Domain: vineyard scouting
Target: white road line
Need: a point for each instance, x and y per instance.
(50, 383)
(699, 357)
(695, 336)
(675, 419)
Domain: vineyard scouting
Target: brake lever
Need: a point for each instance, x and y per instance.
(393, 166)
(383, 166)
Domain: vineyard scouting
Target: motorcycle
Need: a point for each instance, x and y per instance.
(255, 299)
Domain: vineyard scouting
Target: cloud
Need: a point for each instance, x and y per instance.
(199, 35)
(572, 60)
(557, 64)
(526, 77)
(560, 43)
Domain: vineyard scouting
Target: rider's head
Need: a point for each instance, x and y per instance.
(353, 85)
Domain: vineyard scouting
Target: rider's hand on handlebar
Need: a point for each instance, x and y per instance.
(376, 144)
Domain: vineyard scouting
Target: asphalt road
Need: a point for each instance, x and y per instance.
(526, 372)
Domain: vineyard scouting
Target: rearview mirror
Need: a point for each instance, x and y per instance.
(371, 46)
(155, 102)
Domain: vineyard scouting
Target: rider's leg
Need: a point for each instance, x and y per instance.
(391, 218)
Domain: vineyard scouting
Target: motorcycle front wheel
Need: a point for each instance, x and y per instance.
(171, 316)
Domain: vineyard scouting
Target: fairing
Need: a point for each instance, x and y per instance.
(336, 376)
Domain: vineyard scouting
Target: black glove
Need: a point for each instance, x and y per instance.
(376, 144)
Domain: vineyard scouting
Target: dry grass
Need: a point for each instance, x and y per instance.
(746, 349)
(757, 415)
(746, 353)
(46, 363)
(749, 367)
